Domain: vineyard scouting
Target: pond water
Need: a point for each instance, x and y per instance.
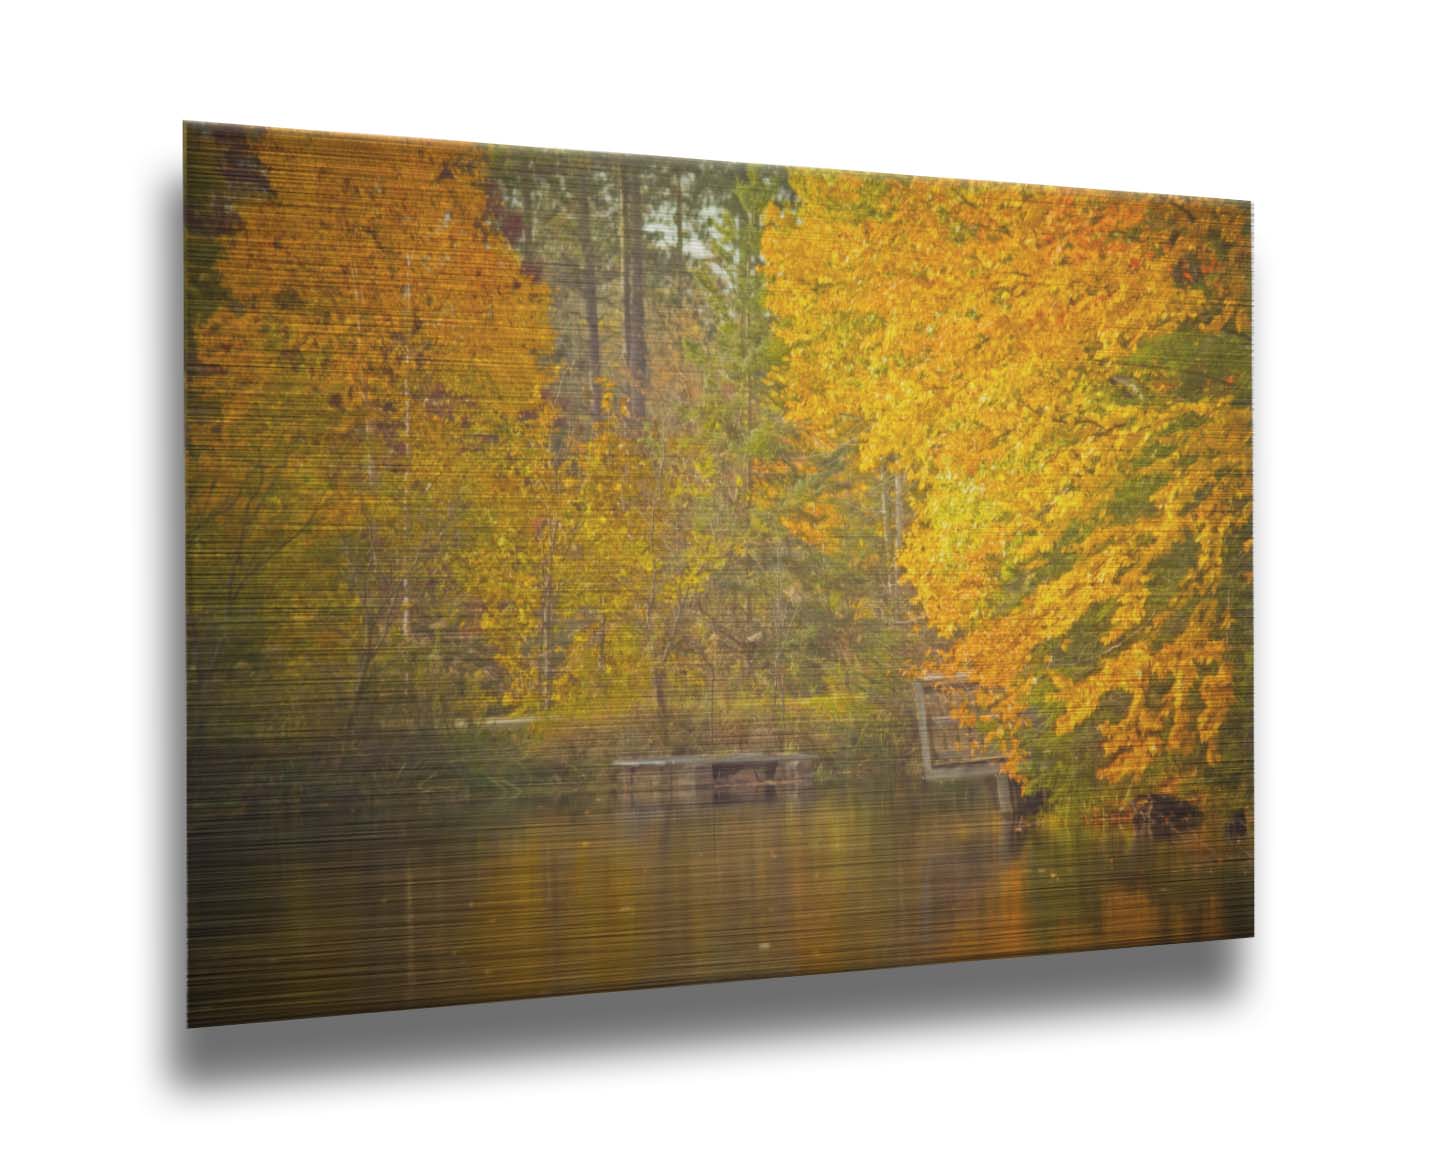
(535, 897)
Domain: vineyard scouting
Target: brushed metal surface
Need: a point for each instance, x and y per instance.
(425, 763)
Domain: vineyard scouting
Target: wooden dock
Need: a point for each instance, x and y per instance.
(709, 776)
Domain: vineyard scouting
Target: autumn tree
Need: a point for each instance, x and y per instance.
(1062, 379)
(361, 441)
(742, 445)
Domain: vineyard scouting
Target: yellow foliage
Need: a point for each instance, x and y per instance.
(370, 418)
(1004, 347)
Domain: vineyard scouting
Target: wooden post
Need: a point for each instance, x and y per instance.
(924, 719)
(1002, 794)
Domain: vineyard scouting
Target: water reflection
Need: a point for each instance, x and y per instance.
(545, 896)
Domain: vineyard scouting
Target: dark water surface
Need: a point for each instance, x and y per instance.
(534, 897)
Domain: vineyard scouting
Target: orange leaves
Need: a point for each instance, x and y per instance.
(375, 377)
(997, 344)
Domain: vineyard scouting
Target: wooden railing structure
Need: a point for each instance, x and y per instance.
(950, 750)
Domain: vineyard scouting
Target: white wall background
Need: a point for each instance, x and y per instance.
(1322, 1029)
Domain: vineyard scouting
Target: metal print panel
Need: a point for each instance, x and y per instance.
(607, 571)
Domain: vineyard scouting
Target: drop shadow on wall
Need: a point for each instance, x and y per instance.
(746, 1014)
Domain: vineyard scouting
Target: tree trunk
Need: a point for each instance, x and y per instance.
(547, 617)
(633, 256)
(898, 524)
(662, 704)
(679, 244)
(588, 289)
(889, 568)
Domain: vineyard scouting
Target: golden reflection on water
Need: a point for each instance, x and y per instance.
(538, 897)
